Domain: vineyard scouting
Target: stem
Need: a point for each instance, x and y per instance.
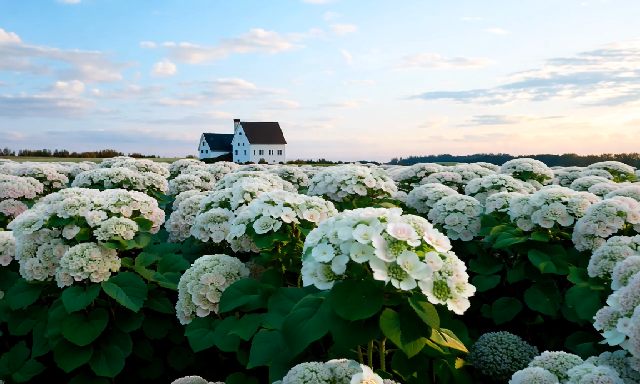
(370, 354)
(382, 352)
(360, 355)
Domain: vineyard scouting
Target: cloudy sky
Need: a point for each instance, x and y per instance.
(346, 79)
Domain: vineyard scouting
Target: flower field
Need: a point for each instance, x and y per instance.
(135, 271)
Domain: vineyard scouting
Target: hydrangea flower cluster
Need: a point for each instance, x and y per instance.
(625, 269)
(46, 174)
(596, 172)
(603, 220)
(619, 361)
(527, 169)
(19, 188)
(469, 171)
(185, 208)
(194, 380)
(603, 189)
(86, 261)
(500, 202)
(294, 175)
(557, 362)
(219, 169)
(270, 179)
(565, 176)
(178, 166)
(387, 241)
(348, 181)
(201, 286)
(80, 167)
(620, 171)
(586, 182)
(534, 375)
(618, 320)
(489, 166)
(459, 215)
(414, 173)
(7, 247)
(501, 354)
(212, 225)
(450, 179)
(340, 371)
(486, 186)
(590, 374)
(200, 180)
(632, 191)
(424, 197)
(137, 165)
(615, 250)
(125, 178)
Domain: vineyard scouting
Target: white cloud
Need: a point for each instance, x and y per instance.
(177, 103)
(128, 92)
(147, 44)
(224, 89)
(497, 31)
(331, 15)
(282, 104)
(163, 69)
(59, 100)
(471, 18)
(435, 123)
(359, 82)
(346, 104)
(343, 29)
(86, 66)
(347, 57)
(256, 40)
(437, 61)
(62, 89)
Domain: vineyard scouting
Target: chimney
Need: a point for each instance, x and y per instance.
(236, 122)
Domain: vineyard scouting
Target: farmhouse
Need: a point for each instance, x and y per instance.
(250, 142)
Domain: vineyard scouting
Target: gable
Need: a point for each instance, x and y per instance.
(263, 133)
(219, 142)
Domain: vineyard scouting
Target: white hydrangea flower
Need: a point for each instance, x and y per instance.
(367, 376)
(87, 261)
(489, 166)
(603, 189)
(621, 172)
(137, 165)
(268, 179)
(501, 354)
(116, 226)
(557, 362)
(201, 286)
(294, 175)
(484, 187)
(343, 370)
(194, 380)
(348, 181)
(45, 173)
(43, 264)
(305, 373)
(603, 220)
(633, 332)
(534, 375)
(632, 191)
(178, 166)
(185, 208)
(197, 180)
(469, 172)
(619, 361)
(606, 321)
(565, 176)
(527, 169)
(7, 247)
(424, 197)
(587, 373)
(500, 202)
(623, 271)
(125, 178)
(585, 182)
(615, 250)
(596, 172)
(212, 225)
(459, 214)
(19, 187)
(11, 208)
(450, 179)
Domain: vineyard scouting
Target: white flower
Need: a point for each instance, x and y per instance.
(361, 253)
(364, 233)
(367, 376)
(411, 264)
(323, 252)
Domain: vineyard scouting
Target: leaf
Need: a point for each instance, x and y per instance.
(156, 326)
(505, 309)
(507, 239)
(224, 340)
(69, 356)
(180, 358)
(542, 236)
(157, 302)
(238, 294)
(405, 329)
(40, 344)
(544, 298)
(199, 332)
(88, 378)
(29, 369)
(83, 235)
(128, 289)
(578, 276)
(584, 301)
(16, 357)
(22, 294)
(542, 261)
(267, 346)
(81, 329)
(247, 326)
(144, 225)
(127, 320)
(305, 324)
(172, 263)
(107, 361)
(425, 310)
(21, 321)
(280, 304)
(478, 267)
(356, 300)
(485, 283)
(146, 259)
(75, 298)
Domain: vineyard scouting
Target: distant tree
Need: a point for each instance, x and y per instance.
(262, 161)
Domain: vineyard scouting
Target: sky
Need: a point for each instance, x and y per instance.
(346, 79)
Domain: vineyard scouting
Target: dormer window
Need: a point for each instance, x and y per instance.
(240, 133)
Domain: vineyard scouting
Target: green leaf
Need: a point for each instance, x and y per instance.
(542, 261)
(156, 326)
(267, 346)
(447, 338)
(405, 329)
(544, 298)
(180, 358)
(159, 303)
(485, 283)
(22, 294)
(16, 357)
(107, 361)
(517, 273)
(69, 356)
(75, 298)
(22, 321)
(128, 289)
(29, 369)
(542, 236)
(505, 309)
(172, 263)
(585, 301)
(478, 267)
(143, 349)
(280, 304)
(127, 320)
(247, 326)
(507, 239)
(144, 225)
(146, 259)
(305, 324)
(425, 310)
(238, 294)
(83, 235)
(578, 276)
(40, 344)
(224, 340)
(81, 329)
(199, 332)
(357, 300)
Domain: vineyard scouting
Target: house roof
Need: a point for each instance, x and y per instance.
(219, 142)
(263, 133)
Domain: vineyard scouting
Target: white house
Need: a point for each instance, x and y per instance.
(250, 142)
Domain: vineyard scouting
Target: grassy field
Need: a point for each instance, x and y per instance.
(22, 159)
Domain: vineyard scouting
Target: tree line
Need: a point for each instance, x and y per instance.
(63, 153)
(565, 160)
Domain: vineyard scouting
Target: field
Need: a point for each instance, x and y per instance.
(251, 274)
(22, 159)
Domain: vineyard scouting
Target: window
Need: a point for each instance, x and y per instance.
(245, 151)
(240, 133)
(271, 152)
(254, 151)
(236, 151)
(201, 151)
(279, 152)
(261, 152)
(206, 151)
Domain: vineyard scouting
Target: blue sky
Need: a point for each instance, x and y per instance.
(346, 79)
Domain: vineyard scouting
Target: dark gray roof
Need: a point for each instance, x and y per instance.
(263, 133)
(219, 142)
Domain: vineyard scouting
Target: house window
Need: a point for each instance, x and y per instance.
(261, 152)
(201, 151)
(254, 151)
(270, 152)
(240, 133)
(279, 152)
(243, 144)
(245, 151)
(236, 151)
(206, 151)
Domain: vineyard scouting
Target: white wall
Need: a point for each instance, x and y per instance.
(241, 148)
(204, 152)
(271, 159)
